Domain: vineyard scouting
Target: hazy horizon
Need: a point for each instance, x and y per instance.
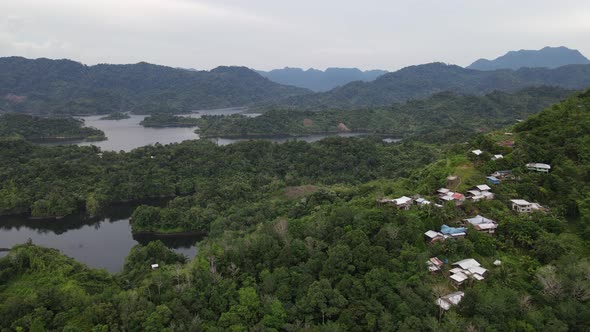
(265, 35)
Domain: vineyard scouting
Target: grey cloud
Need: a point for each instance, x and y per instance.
(268, 34)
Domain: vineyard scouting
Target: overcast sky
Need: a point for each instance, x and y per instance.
(266, 34)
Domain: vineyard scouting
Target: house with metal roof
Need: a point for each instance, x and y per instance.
(446, 195)
(403, 202)
(480, 192)
(455, 232)
(434, 264)
(465, 269)
(482, 224)
(538, 167)
(523, 206)
(493, 180)
(449, 300)
(433, 236)
(497, 156)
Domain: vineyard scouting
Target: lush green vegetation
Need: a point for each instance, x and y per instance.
(422, 81)
(325, 257)
(66, 87)
(40, 129)
(116, 116)
(56, 181)
(442, 117)
(168, 120)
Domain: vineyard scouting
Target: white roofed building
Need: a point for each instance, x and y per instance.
(465, 269)
(483, 187)
(422, 201)
(466, 263)
(459, 278)
(497, 156)
(403, 202)
(522, 206)
(482, 224)
(480, 192)
(432, 236)
(447, 301)
(538, 167)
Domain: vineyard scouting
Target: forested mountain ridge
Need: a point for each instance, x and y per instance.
(442, 117)
(331, 259)
(318, 80)
(66, 87)
(421, 81)
(547, 57)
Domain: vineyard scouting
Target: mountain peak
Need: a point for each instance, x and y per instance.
(547, 57)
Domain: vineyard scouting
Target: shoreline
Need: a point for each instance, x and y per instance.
(166, 234)
(137, 202)
(49, 140)
(180, 125)
(290, 135)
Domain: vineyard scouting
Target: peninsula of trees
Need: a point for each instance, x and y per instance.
(116, 116)
(35, 128)
(168, 120)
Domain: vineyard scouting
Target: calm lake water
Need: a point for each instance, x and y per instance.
(105, 242)
(309, 138)
(102, 242)
(128, 134)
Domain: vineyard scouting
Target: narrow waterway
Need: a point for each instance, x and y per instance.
(101, 242)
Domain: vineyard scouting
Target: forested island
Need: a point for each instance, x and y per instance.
(116, 116)
(168, 120)
(297, 238)
(442, 117)
(35, 128)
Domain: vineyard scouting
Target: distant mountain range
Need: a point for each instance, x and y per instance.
(417, 82)
(318, 80)
(547, 57)
(65, 87)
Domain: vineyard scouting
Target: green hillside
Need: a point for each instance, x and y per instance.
(297, 242)
(65, 87)
(442, 117)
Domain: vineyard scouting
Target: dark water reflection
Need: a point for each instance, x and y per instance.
(100, 242)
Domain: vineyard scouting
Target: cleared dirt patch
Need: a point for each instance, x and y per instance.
(15, 98)
(342, 127)
(300, 191)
